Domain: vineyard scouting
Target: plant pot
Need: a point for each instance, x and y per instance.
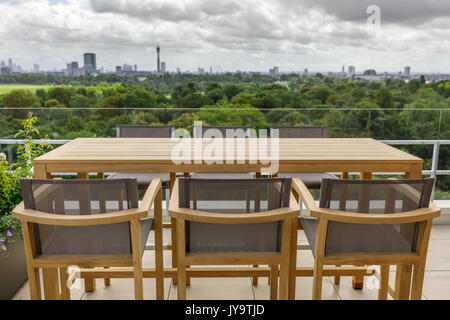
(13, 269)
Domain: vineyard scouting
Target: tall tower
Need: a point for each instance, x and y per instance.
(90, 62)
(159, 65)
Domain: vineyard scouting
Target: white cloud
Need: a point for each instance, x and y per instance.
(314, 34)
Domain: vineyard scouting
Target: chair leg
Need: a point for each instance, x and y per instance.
(273, 281)
(293, 260)
(167, 201)
(107, 280)
(403, 282)
(65, 291)
(173, 235)
(384, 282)
(255, 279)
(89, 285)
(417, 281)
(159, 260)
(358, 282)
(337, 279)
(51, 283)
(188, 279)
(181, 254)
(317, 281)
(34, 283)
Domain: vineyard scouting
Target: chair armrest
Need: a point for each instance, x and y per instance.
(35, 216)
(150, 195)
(304, 194)
(223, 218)
(366, 218)
(350, 217)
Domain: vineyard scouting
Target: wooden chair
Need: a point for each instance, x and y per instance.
(88, 223)
(312, 180)
(235, 222)
(370, 222)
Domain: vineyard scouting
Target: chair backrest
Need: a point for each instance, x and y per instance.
(221, 131)
(232, 197)
(137, 131)
(300, 131)
(382, 197)
(81, 197)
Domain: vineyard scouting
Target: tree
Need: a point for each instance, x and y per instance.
(16, 104)
(384, 98)
(139, 97)
(232, 90)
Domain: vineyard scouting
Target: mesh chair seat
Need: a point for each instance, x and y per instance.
(221, 175)
(312, 180)
(64, 240)
(143, 178)
(232, 197)
(358, 238)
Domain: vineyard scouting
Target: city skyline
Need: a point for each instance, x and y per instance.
(317, 35)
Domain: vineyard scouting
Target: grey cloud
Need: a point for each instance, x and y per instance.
(403, 12)
(170, 11)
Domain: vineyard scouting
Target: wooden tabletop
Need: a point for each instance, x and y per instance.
(325, 154)
(159, 150)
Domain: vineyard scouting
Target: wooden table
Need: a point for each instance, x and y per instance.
(100, 155)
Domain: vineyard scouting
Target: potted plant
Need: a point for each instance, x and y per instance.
(13, 268)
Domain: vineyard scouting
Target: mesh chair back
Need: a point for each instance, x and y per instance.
(375, 197)
(135, 131)
(222, 131)
(232, 197)
(300, 131)
(81, 197)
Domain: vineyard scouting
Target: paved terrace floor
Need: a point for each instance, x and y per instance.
(436, 284)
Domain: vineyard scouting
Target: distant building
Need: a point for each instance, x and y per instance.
(305, 72)
(5, 70)
(158, 50)
(351, 71)
(2, 64)
(127, 68)
(201, 71)
(90, 62)
(178, 70)
(370, 72)
(135, 68)
(73, 69)
(407, 71)
(118, 69)
(275, 71)
(10, 63)
(163, 67)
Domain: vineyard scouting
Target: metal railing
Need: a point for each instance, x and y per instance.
(434, 172)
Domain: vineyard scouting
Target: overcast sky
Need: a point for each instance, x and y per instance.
(321, 35)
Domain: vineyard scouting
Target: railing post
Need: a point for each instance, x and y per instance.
(434, 164)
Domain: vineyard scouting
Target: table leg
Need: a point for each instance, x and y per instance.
(173, 231)
(100, 175)
(403, 273)
(293, 260)
(89, 283)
